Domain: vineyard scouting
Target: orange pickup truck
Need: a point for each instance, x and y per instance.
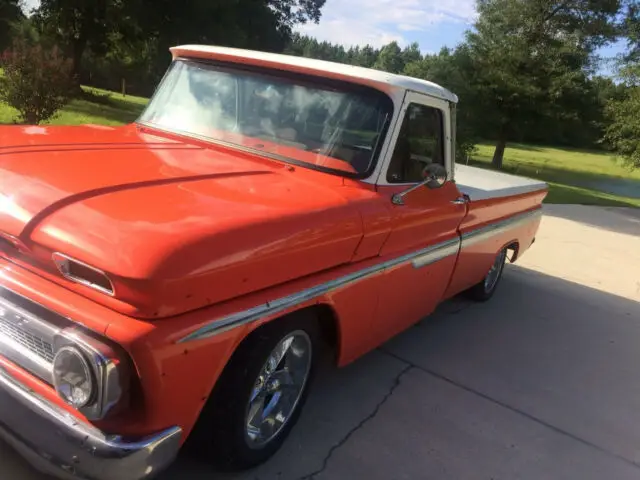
(170, 283)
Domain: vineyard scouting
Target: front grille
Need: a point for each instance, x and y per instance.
(31, 342)
(27, 333)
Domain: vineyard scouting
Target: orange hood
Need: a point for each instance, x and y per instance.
(177, 226)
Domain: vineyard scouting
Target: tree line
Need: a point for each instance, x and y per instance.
(108, 40)
(526, 71)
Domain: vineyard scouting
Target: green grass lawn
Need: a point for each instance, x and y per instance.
(96, 106)
(574, 176)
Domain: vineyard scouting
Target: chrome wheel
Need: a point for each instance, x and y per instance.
(278, 388)
(494, 273)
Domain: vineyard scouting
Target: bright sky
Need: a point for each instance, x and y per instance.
(431, 23)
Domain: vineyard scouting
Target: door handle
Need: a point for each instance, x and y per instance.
(459, 201)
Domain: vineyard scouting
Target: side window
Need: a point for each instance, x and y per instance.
(419, 144)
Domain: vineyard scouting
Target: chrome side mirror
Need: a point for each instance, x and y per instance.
(435, 176)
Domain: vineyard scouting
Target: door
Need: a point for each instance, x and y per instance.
(425, 224)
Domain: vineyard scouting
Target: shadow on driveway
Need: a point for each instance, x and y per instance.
(541, 382)
(614, 219)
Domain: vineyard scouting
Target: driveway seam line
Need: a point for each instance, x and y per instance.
(362, 423)
(511, 408)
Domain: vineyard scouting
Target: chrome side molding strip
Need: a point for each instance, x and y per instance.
(484, 233)
(419, 259)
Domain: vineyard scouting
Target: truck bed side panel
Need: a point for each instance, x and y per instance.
(489, 226)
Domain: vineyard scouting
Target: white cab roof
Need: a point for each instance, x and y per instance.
(366, 76)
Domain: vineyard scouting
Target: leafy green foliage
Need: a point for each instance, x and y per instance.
(78, 24)
(37, 81)
(113, 39)
(10, 15)
(630, 29)
(530, 60)
(623, 133)
(390, 59)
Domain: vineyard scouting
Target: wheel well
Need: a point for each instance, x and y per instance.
(327, 323)
(515, 248)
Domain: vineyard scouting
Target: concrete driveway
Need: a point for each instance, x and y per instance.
(541, 382)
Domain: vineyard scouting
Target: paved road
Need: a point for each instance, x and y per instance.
(541, 382)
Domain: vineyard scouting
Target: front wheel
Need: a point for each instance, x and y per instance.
(484, 290)
(259, 396)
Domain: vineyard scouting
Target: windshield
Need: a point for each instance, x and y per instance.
(321, 124)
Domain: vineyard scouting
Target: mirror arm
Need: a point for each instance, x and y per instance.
(398, 198)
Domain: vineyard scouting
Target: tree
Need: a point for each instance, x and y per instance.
(290, 13)
(623, 133)
(390, 59)
(528, 58)
(37, 81)
(411, 54)
(10, 14)
(152, 26)
(631, 29)
(78, 24)
(366, 56)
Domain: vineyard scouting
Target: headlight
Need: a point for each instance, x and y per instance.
(72, 377)
(89, 374)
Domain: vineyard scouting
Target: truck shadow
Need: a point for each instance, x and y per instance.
(614, 219)
(560, 353)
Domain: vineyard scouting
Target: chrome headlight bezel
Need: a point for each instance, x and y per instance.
(86, 372)
(108, 368)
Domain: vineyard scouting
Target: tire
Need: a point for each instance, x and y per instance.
(222, 436)
(484, 290)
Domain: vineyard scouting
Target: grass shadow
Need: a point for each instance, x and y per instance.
(524, 146)
(94, 96)
(112, 111)
(568, 194)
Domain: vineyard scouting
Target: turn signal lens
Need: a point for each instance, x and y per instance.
(72, 377)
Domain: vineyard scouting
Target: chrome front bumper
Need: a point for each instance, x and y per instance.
(59, 445)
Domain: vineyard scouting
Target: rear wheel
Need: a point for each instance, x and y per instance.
(485, 289)
(258, 398)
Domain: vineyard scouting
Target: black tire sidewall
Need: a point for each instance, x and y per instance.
(495, 284)
(219, 435)
(479, 291)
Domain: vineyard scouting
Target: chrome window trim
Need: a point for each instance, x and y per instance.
(412, 97)
(418, 259)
